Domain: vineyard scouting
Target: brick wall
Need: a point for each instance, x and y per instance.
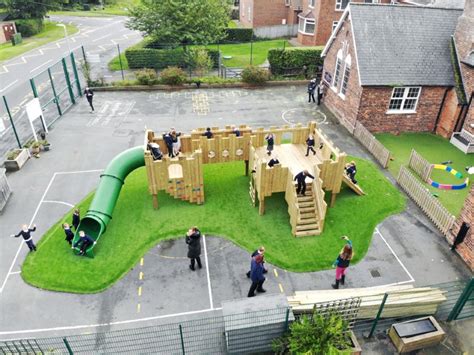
(449, 115)
(374, 104)
(269, 12)
(466, 248)
(464, 44)
(344, 109)
(245, 20)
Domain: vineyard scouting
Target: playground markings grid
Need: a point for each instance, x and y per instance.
(139, 320)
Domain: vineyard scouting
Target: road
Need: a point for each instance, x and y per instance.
(98, 35)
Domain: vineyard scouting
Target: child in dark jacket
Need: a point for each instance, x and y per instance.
(310, 145)
(26, 234)
(69, 233)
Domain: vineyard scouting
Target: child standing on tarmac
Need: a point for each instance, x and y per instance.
(26, 234)
(342, 263)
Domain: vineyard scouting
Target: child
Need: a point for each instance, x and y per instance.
(274, 160)
(342, 263)
(208, 133)
(310, 145)
(351, 170)
(270, 138)
(69, 233)
(76, 218)
(26, 234)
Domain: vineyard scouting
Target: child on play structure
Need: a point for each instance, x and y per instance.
(351, 171)
(76, 218)
(342, 262)
(69, 233)
(310, 145)
(270, 138)
(85, 242)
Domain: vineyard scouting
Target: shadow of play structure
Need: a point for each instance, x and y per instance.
(182, 177)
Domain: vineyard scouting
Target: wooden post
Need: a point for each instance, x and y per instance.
(155, 202)
(246, 168)
(333, 199)
(261, 206)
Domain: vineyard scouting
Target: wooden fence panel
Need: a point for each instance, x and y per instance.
(420, 165)
(377, 149)
(428, 203)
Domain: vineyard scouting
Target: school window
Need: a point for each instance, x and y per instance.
(306, 25)
(311, 3)
(287, 2)
(334, 25)
(341, 4)
(345, 77)
(337, 72)
(404, 99)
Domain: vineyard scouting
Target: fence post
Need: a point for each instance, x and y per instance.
(120, 60)
(182, 339)
(33, 87)
(11, 121)
(287, 317)
(54, 92)
(83, 54)
(68, 347)
(251, 51)
(466, 293)
(379, 313)
(76, 75)
(68, 81)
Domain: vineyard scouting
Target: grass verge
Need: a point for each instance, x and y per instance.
(436, 150)
(50, 33)
(118, 8)
(239, 53)
(137, 227)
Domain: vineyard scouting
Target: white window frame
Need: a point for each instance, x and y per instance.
(311, 3)
(345, 77)
(404, 98)
(306, 21)
(287, 2)
(338, 6)
(334, 25)
(337, 71)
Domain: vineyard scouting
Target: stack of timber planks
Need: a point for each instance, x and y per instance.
(402, 301)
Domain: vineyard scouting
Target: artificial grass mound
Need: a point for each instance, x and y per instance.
(136, 227)
(436, 150)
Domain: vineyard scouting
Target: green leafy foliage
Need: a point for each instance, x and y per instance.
(254, 75)
(27, 9)
(198, 59)
(317, 334)
(238, 35)
(283, 59)
(29, 27)
(173, 76)
(146, 77)
(181, 21)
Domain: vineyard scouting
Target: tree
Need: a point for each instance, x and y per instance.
(26, 9)
(181, 21)
(199, 60)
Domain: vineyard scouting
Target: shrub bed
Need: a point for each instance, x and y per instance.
(238, 35)
(29, 27)
(283, 59)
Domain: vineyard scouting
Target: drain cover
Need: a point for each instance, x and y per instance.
(375, 273)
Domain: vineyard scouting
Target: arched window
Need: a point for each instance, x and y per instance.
(337, 70)
(345, 77)
(175, 171)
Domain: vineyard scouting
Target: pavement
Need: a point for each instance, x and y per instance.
(406, 247)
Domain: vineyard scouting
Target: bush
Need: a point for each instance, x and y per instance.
(238, 34)
(199, 60)
(141, 56)
(283, 59)
(29, 27)
(235, 14)
(146, 77)
(254, 75)
(173, 76)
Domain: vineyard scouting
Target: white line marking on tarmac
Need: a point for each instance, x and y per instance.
(15, 272)
(60, 202)
(11, 84)
(207, 271)
(109, 324)
(98, 39)
(396, 257)
(31, 222)
(42, 65)
(79, 172)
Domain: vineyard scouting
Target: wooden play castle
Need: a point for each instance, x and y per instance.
(182, 176)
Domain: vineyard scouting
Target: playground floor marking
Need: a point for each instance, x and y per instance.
(129, 321)
(304, 109)
(42, 200)
(207, 272)
(396, 257)
(60, 202)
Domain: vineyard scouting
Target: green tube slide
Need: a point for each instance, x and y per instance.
(95, 222)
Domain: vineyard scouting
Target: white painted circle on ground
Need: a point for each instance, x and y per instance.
(293, 115)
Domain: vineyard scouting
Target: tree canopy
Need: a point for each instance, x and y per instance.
(181, 21)
(25, 9)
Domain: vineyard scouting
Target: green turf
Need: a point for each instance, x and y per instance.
(118, 8)
(435, 149)
(240, 53)
(50, 33)
(227, 212)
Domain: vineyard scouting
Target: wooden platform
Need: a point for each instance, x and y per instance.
(292, 156)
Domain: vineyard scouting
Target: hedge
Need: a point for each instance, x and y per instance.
(283, 59)
(29, 27)
(238, 34)
(139, 57)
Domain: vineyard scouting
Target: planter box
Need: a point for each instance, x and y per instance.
(416, 334)
(356, 348)
(18, 162)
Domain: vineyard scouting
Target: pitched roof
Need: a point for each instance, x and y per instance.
(469, 60)
(452, 4)
(403, 45)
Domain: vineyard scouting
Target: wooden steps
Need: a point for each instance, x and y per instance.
(306, 219)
